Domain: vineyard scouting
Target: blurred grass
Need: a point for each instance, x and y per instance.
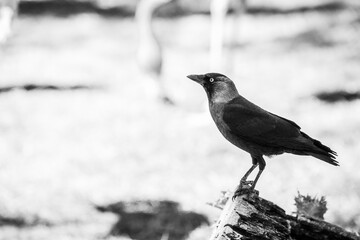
(63, 151)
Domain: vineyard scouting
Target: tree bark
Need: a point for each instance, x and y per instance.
(250, 217)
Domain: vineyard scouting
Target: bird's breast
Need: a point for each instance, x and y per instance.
(216, 112)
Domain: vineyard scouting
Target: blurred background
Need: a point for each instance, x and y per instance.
(97, 115)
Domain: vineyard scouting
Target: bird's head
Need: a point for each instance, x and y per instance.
(218, 87)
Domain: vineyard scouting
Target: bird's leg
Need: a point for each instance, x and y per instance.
(244, 187)
(243, 179)
(262, 165)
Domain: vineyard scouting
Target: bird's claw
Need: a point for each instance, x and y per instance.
(246, 183)
(241, 190)
(245, 187)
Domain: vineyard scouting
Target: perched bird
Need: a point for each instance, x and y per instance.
(149, 54)
(254, 129)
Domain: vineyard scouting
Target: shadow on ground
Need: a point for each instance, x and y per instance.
(153, 220)
(310, 38)
(34, 87)
(338, 96)
(22, 222)
(324, 7)
(65, 8)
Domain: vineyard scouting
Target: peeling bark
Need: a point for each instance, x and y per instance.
(251, 217)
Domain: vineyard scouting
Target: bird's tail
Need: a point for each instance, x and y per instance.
(321, 151)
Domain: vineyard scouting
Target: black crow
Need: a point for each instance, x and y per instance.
(254, 129)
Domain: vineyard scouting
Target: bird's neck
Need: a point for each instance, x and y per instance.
(223, 94)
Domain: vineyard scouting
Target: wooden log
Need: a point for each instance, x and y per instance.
(250, 217)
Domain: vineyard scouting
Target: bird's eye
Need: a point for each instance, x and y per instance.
(211, 80)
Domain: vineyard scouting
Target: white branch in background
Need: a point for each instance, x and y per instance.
(6, 17)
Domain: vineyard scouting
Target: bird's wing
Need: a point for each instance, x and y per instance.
(254, 124)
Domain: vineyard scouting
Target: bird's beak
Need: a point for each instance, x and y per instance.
(197, 78)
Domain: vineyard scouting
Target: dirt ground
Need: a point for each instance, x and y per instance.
(64, 151)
